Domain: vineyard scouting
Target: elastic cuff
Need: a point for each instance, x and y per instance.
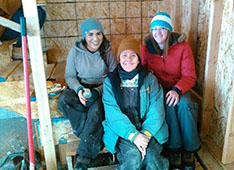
(177, 90)
(132, 136)
(78, 89)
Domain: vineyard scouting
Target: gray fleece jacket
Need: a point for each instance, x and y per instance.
(82, 66)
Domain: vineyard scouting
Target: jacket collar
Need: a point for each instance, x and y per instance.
(153, 47)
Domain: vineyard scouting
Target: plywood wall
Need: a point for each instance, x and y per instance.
(120, 18)
(224, 75)
(129, 18)
(202, 31)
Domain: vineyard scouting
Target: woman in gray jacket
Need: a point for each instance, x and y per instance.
(88, 62)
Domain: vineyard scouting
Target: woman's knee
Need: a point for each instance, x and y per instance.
(68, 96)
(185, 100)
(96, 109)
(132, 159)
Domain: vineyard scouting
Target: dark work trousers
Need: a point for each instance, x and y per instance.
(10, 34)
(86, 122)
(182, 123)
(130, 157)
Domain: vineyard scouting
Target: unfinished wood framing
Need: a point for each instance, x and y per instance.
(211, 59)
(193, 25)
(228, 149)
(35, 50)
(9, 24)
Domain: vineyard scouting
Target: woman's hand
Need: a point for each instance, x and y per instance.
(141, 141)
(83, 100)
(172, 98)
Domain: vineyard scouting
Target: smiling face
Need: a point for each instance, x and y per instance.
(160, 35)
(94, 40)
(128, 60)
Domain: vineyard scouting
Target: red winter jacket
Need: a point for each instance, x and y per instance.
(175, 70)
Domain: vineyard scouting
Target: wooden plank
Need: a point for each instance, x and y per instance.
(69, 162)
(59, 71)
(12, 97)
(177, 16)
(228, 148)
(193, 25)
(41, 1)
(208, 159)
(38, 71)
(7, 70)
(216, 152)
(5, 46)
(49, 70)
(9, 24)
(211, 59)
(18, 73)
(61, 128)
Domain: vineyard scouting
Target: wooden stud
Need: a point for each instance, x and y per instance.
(228, 148)
(177, 16)
(193, 25)
(69, 162)
(9, 24)
(216, 152)
(38, 71)
(18, 73)
(49, 70)
(211, 59)
(58, 73)
(7, 70)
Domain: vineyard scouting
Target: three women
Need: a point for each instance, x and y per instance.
(134, 125)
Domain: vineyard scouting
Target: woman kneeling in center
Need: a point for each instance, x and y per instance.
(134, 125)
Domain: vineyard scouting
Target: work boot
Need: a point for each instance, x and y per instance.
(81, 163)
(175, 160)
(188, 161)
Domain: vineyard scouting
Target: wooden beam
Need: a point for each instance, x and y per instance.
(177, 17)
(216, 12)
(10, 24)
(216, 152)
(59, 71)
(228, 148)
(38, 71)
(193, 25)
(7, 70)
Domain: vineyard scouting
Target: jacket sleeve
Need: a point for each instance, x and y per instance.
(71, 73)
(143, 56)
(115, 119)
(155, 115)
(188, 73)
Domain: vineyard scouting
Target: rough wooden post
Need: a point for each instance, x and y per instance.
(9, 24)
(192, 24)
(211, 59)
(228, 148)
(35, 52)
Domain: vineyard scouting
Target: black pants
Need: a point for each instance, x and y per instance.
(86, 122)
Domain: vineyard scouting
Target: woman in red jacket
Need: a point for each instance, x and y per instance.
(171, 60)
